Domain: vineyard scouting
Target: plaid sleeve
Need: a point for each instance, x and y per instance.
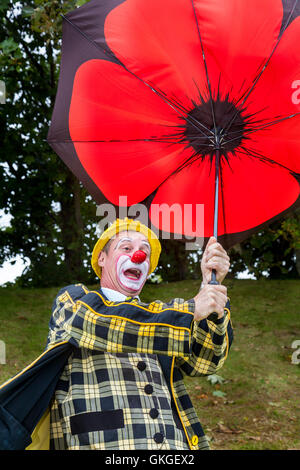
(211, 341)
(87, 320)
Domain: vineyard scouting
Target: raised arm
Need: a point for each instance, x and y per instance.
(87, 320)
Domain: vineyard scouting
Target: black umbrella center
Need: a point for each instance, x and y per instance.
(206, 128)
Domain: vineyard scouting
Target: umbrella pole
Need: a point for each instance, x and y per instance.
(214, 316)
(216, 207)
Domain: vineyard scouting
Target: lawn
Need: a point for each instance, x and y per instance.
(253, 403)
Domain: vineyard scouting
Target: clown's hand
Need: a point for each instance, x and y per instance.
(210, 299)
(214, 257)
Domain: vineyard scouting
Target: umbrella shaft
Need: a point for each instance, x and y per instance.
(216, 207)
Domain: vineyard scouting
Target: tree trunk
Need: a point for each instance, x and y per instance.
(72, 229)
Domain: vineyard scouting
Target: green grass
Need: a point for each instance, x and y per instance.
(260, 406)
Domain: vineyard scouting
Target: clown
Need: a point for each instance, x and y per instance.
(111, 377)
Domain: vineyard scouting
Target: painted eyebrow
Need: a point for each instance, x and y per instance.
(122, 240)
(147, 244)
(130, 240)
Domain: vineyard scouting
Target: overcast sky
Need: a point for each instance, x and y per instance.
(8, 272)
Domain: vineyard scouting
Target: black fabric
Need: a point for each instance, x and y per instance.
(97, 421)
(13, 436)
(25, 398)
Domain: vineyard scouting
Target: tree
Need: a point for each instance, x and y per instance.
(50, 210)
(273, 252)
(290, 231)
(176, 263)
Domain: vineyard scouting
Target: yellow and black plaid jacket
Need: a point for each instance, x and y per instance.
(90, 322)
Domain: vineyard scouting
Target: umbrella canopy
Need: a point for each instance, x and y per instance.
(188, 102)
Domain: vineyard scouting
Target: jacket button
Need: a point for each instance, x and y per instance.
(148, 389)
(141, 366)
(158, 437)
(153, 413)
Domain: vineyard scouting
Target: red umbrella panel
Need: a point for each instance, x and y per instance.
(188, 102)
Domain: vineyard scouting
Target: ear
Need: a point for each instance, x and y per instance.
(101, 259)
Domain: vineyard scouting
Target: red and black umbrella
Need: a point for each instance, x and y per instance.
(184, 102)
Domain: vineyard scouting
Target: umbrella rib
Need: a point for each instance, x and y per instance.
(188, 162)
(260, 73)
(159, 140)
(217, 140)
(269, 124)
(174, 106)
(205, 67)
(261, 157)
(222, 197)
(184, 110)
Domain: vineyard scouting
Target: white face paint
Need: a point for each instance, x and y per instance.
(131, 275)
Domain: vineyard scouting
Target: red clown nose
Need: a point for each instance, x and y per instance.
(138, 257)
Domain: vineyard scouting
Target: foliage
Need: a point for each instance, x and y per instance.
(176, 263)
(51, 212)
(215, 379)
(273, 252)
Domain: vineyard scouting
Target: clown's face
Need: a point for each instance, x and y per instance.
(121, 271)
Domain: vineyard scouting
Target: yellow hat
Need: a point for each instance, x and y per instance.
(125, 225)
